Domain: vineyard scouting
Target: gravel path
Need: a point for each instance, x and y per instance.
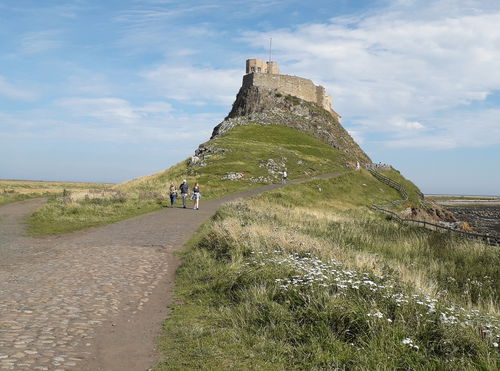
(92, 299)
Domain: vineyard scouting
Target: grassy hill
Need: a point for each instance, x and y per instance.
(252, 154)
(256, 153)
(308, 277)
(265, 134)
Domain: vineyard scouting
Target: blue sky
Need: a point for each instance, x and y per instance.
(112, 90)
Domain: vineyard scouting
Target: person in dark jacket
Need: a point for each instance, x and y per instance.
(184, 188)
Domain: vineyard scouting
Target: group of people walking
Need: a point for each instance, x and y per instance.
(184, 189)
(196, 195)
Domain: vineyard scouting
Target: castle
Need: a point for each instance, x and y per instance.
(267, 75)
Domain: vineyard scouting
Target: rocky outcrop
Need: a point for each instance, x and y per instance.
(429, 214)
(204, 152)
(258, 105)
(485, 219)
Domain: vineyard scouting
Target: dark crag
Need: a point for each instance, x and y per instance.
(484, 218)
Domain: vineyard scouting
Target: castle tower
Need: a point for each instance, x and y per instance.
(256, 65)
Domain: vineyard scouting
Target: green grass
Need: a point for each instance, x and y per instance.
(245, 301)
(411, 188)
(246, 150)
(56, 217)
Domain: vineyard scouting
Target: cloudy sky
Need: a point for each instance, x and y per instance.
(110, 90)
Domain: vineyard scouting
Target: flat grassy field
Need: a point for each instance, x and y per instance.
(307, 277)
(17, 190)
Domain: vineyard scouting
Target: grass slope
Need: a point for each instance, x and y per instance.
(246, 150)
(411, 189)
(308, 277)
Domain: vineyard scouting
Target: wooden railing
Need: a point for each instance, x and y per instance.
(391, 183)
(490, 240)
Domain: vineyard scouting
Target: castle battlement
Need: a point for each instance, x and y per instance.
(267, 75)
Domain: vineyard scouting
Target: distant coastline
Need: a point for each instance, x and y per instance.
(481, 212)
(455, 200)
(437, 195)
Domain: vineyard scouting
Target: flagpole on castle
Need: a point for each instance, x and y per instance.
(270, 48)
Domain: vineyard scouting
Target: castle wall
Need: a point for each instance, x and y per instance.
(291, 85)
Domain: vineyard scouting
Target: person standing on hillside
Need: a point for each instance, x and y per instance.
(184, 192)
(283, 178)
(173, 194)
(196, 197)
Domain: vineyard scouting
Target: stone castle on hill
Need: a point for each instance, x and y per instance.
(267, 97)
(267, 75)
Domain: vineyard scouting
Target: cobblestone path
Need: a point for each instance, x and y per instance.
(93, 299)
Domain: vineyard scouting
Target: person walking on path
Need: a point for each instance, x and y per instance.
(184, 192)
(196, 197)
(283, 178)
(173, 194)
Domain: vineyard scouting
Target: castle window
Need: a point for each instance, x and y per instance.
(258, 69)
(252, 69)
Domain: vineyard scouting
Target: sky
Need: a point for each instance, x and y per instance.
(108, 91)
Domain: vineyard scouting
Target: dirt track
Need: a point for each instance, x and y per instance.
(93, 299)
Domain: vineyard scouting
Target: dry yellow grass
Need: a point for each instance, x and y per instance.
(35, 186)
(282, 228)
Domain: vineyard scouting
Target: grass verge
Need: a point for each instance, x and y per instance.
(56, 217)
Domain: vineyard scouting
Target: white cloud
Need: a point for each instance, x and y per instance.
(92, 83)
(458, 129)
(391, 70)
(195, 85)
(40, 41)
(110, 119)
(357, 136)
(11, 91)
(113, 111)
(410, 125)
